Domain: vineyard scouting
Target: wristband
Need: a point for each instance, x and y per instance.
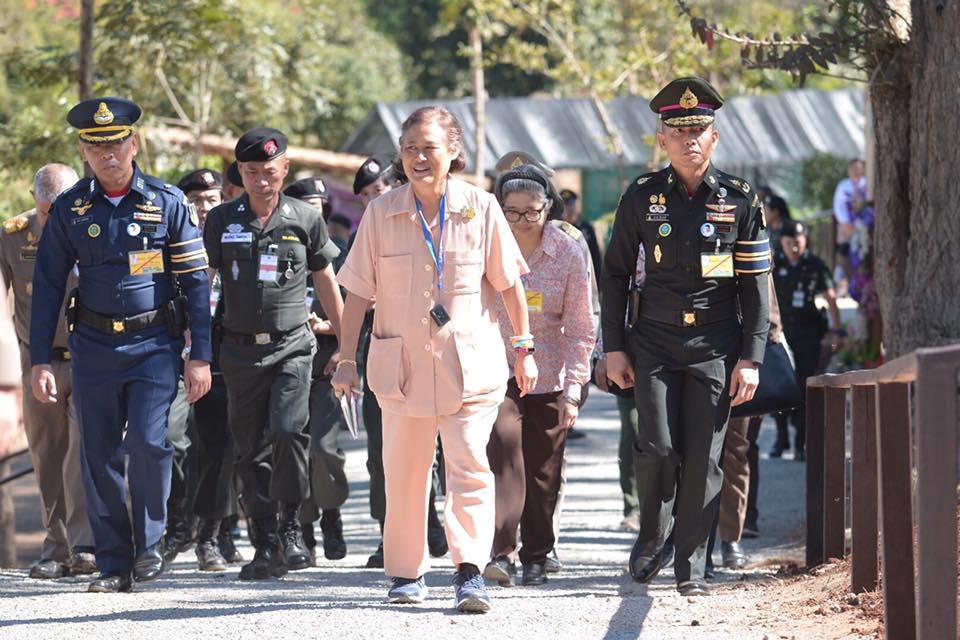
(346, 361)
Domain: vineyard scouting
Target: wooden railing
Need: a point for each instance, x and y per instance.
(903, 482)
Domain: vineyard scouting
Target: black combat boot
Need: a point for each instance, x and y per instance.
(225, 542)
(267, 561)
(295, 552)
(208, 555)
(334, 546)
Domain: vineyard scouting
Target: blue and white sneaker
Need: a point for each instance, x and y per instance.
(471, 593)
(407, 591)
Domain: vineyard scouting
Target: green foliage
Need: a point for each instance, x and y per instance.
(821, 173)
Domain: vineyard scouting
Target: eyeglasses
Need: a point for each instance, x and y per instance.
(531, 215)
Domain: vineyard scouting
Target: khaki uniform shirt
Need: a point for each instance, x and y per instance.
(416, 368)
(18, 255)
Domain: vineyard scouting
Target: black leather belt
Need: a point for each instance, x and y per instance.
(119, 323)
(687, 317)
(267, 337)
(61, 354)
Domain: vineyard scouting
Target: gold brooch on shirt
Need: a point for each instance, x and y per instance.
(657, 254)
(81, 209)
(468, 213)
(148, 207)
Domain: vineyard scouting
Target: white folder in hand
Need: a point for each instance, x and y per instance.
(349, 404)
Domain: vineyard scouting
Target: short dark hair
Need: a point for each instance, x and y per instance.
(339, 218)
(450, 125)
(854, 161)
(778, 203)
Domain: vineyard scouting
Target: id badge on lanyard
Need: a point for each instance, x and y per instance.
(438, 313)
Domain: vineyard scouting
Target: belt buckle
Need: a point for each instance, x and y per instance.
(689, 318)
(261, 338)
(118, 325)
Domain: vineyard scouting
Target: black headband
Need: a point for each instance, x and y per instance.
(524, 173)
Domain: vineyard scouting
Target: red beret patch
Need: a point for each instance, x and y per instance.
(270, 147)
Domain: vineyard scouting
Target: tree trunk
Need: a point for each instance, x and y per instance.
(479, 99)
(85, 77)
(917, 250)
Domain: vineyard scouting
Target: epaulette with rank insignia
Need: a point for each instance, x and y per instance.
(570, 230)
(740, 185)
(15, 225)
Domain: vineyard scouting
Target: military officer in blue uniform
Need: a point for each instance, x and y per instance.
(698, 341)
(142, 284)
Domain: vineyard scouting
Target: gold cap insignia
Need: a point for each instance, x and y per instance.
(517, 162)
(689, 318)
(688, 100)
(103, 115)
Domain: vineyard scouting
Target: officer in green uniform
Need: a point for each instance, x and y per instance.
(264, 245)
(698, 341)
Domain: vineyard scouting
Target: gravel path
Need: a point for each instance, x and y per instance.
(592, 597)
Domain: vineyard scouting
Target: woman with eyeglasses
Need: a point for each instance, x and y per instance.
(529, 434)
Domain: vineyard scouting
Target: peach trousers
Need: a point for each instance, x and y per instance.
(408, 455)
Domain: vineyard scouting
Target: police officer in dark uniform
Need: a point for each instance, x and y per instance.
(214, 494)
(800, 277)
(264, 245)
(697, 344)
(328, 479)
(142, 283)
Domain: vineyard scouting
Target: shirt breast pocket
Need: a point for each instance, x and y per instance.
(90, 249)
(238, 265)
(462, 271)
(395, 274)
(147, 237)
(661, 253)
(292, 255)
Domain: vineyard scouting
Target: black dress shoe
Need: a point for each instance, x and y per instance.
(48, 570)
(149, 564)
(800, 455)
(777, 451)
(534, 574)
(553, 564)
(111, 582)
(734, 556)
(647, 559)
(334, 546)
(750, 531)
(375, 561)
(501, 570)
(693, 588)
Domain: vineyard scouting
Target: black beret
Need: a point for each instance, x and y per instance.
(792, 229)
(260, 144)
(513, 159)
(311, 187)
(372, 169)
(104, 120)
(233, 175)
(687, 102)
(339, 218)
(201, 180)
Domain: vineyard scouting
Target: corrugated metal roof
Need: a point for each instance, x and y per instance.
(757, 131)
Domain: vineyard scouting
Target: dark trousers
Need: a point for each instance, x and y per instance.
(125, 382)
(753, 460)
(681, 391)
(216, 494)
(373, 425)
(182, 476)
(805, 343)
(628, 440)
(525, 453)
(268, 394)
(328, 480)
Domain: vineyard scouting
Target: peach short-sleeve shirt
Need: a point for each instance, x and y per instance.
(416, 368)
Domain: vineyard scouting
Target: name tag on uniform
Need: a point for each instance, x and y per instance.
(716, 265)
(799, 297)
(237, 237)
(268, 268)
(534, 302)
(145, 262)
(28, 254)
